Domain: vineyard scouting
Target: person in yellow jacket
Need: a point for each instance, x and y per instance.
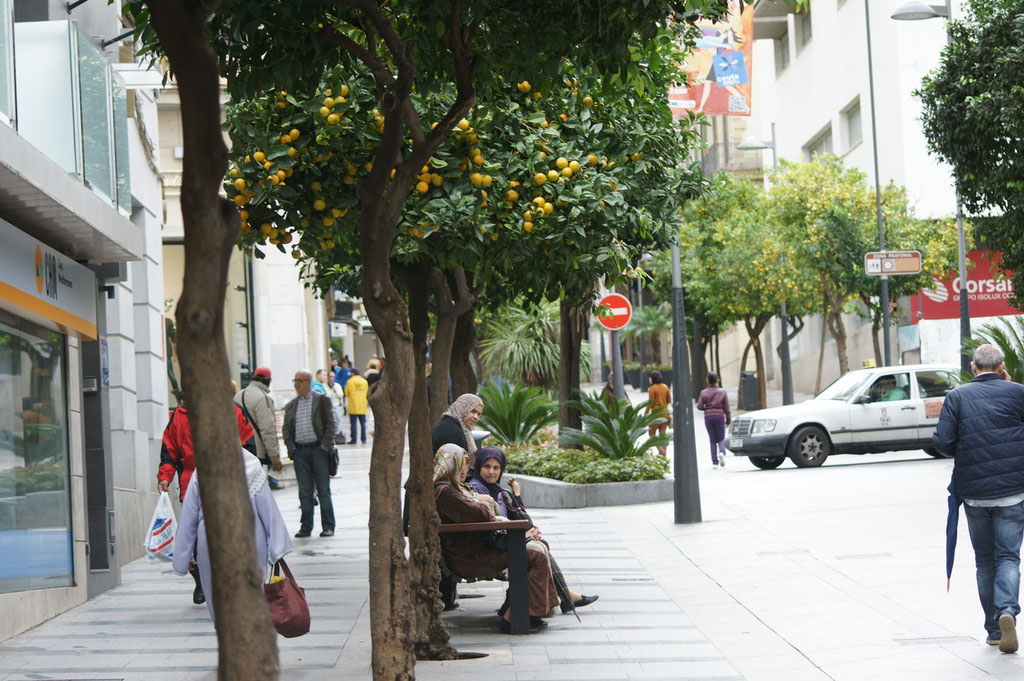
(355, 394)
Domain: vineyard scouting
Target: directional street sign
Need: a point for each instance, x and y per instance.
(617, 311)
(885, 263)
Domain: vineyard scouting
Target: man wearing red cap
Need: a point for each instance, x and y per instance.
(258, 406)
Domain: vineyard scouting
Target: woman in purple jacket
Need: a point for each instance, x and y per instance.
(714, 402)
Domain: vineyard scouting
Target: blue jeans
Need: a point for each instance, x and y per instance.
(360, 421)
(996, 534)
(311, 472)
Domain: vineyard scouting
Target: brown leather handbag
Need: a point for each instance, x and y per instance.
(287, 601)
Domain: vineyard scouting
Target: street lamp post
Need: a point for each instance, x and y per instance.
(686, 486)
(917, 11)
(878, 192)
(753, 144)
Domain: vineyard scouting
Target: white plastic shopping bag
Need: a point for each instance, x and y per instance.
(159, 539)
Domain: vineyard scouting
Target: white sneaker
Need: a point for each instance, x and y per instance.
(721, 461)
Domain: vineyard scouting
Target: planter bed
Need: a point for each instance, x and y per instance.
(548, 493)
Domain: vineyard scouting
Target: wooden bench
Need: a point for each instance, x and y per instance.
(518, 593)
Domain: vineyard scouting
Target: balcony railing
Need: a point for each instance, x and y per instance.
(67, 102)
(722, 156)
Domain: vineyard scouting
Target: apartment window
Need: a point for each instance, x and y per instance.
(852, 124)
(804, 29)
(820, 144)
(781, 53)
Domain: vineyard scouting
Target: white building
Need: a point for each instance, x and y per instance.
(82, 391)
(811, 81)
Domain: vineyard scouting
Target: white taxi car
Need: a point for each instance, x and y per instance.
(862, 412)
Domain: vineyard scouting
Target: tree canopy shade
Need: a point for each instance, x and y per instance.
(973, 117)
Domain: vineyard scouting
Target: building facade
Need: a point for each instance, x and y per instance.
(82, 393)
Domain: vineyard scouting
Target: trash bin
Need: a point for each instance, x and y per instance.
(748, 390)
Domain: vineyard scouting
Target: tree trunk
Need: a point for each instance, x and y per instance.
(390, 631)
(447, 317)
(247, 642)
(464, 378)
(718, 357)
(754, 332)
(821, 353)
(838, 331)
(573, 326)
(430, 636)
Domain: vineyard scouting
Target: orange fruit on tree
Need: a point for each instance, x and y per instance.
(436, 180)
(319, 204)
(562, 162)
(527, 227)
(239, 183)
(574, 166)
(539, 178)
(567, 171)
(422, 187)
(240, 199)
(260, 157)
(294, 134)
(592, 159)
(552, 175)
(548, 208)
(463, 125)
(333, 119)
(588, 101)
(285, 139)
(325, 112)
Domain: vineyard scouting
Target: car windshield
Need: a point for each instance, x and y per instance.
(843, 387)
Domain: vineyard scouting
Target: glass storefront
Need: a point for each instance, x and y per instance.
(35, 518)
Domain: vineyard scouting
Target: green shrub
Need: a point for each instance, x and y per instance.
(1008, 336)
(546, 459)
(631, 366)
(514, 414)
(612, 429)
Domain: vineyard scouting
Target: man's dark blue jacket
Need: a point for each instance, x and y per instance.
(982, 427)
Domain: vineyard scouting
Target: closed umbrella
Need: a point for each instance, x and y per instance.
(952, 520)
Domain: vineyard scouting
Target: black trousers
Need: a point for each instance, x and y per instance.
(311, 471)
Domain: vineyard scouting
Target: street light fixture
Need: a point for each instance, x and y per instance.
(916, 11)
(752, 143)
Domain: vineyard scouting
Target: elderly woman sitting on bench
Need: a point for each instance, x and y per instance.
(473, 554)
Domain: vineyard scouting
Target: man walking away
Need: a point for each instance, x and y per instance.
(258, 407)
(309, 437)
(355, 393)
(982, 428)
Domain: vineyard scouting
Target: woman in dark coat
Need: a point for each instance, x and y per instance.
(471, 554)
(486, 481)
(456, 424)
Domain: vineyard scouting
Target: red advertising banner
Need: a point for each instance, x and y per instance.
(719, 68)
(989, 289)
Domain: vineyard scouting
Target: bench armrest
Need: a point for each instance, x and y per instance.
(484, 527)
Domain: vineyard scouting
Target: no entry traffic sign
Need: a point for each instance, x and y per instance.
(614, 311)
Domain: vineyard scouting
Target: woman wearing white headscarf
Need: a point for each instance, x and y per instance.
(272, 538)
(472, 554)
(456, 424)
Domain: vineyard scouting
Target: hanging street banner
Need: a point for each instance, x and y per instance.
(988, 286)
(719, 67)
(884, 263)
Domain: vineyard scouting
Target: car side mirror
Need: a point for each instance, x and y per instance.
(862, 399)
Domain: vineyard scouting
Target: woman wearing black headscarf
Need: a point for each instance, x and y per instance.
(486, 480)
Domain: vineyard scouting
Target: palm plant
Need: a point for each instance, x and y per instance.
(1008, 336)
(614, 428)
(522, 345)
(514, 414)
(649, 322)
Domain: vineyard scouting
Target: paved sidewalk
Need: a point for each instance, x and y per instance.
(831, 573)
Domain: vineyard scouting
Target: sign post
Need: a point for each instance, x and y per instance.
(613, 313)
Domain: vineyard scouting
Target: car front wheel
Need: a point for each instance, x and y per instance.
(809, 447)
(767, 463)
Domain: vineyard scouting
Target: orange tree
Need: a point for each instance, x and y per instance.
(738, 266)
(827, 211)
(581, 177)
(468, 49)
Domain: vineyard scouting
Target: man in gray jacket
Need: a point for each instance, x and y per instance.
(309, 436)
(258, 407)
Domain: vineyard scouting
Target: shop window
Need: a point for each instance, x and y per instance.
(35, 517)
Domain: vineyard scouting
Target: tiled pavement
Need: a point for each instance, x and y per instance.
(794, 575)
